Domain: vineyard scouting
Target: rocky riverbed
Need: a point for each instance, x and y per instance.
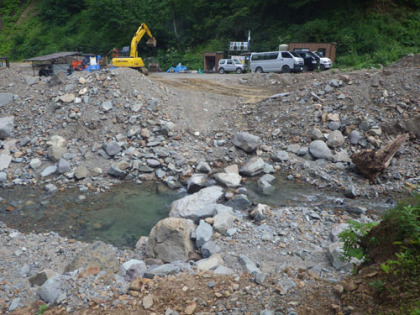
(218, 250)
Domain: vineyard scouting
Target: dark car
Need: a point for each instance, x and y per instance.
(310, 63)
(323, 62)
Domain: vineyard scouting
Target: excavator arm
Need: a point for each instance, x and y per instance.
(143, 29)
(134, 61)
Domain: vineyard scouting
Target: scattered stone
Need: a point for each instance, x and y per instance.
(203, 233)
(209, 248)
(40, 278)
(6, 127)
(51, 290)
(81, 172)
(253, 167)
(5, 161)
(67, 98)
(350, 192)
(319, 150)
(280, 156)
(247, 142)
(335, 139)
(5, 98)
(97, 254)
(223, 222)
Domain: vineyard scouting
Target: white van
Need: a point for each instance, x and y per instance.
(275, 61)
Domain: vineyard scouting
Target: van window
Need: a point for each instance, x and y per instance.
(286, 54)
(321, 52)
(229, 62)
(265, 56)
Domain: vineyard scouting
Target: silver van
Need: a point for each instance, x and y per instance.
(275, 61)
(231, 65)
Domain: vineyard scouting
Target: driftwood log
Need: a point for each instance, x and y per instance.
(372, 163)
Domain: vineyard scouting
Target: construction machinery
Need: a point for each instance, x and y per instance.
(133, 60)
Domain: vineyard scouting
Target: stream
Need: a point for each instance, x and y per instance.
(127, 211)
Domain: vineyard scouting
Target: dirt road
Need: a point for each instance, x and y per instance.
(227, 85)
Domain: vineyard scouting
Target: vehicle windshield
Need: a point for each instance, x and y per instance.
(295, 54)
(237, 62)
(316, 54)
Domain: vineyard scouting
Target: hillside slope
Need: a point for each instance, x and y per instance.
(366, 32)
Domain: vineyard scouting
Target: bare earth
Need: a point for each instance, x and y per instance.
(207, 107)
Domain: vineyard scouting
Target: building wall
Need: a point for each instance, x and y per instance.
(210, 57)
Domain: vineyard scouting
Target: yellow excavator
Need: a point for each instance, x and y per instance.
(134, 61)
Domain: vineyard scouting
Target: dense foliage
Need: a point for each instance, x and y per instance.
(394, 244)
(366, 32)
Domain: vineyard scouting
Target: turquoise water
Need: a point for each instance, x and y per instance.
(119, 216)
(128, 211)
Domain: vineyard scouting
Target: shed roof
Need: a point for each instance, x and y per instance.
(54, 56)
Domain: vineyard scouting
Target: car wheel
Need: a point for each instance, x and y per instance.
(239, 71)
(285, 69)
(259, 70)
(322, 67)
(221, 70)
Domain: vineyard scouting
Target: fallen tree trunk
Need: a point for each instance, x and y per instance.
(372, 163)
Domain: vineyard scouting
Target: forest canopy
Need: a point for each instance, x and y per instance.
(366, 32)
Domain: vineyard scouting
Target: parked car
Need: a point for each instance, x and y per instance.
(231, 65)
(323, 62)
(310, 63)
(275, 61)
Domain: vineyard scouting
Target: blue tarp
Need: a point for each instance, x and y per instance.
(178, 68)
(93, 67)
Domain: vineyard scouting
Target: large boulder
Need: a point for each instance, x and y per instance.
(197, 206)
(247, 142)
(170, 240)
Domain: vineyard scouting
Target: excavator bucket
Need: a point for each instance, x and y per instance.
(151, 42)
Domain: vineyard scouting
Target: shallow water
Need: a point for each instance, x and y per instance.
(119, 216)
(127, 211)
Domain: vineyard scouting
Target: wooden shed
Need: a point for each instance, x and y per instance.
(54, 63)
(211, 60)
(327, 49)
